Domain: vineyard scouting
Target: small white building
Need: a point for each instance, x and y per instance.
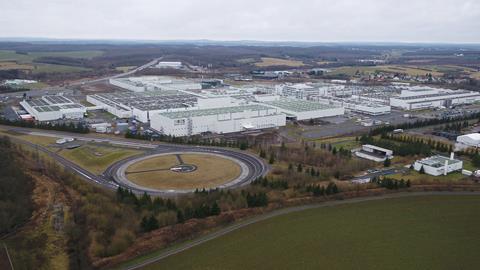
(165, 64)
(438, 165)
(374, 153)
(469, 140)
(217, 120)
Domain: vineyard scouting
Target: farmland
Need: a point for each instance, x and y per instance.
(28, 61)
(430, 232)
(410, 70)
(267, 62)
(6, 55)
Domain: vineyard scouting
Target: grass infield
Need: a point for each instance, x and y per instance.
(211, 171)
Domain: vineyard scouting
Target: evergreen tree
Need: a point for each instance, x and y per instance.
(271, 160)
(299, 168)
(387, 162)
(180, 216)
(215, 210)
(290, 167)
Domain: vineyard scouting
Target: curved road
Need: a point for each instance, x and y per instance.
(256, 166)
(182, 247)
(127, 73)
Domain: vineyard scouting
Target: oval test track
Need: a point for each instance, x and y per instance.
(252, 167)
(256, 166)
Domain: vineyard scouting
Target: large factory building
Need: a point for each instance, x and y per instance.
(217, 120)
(50, 108)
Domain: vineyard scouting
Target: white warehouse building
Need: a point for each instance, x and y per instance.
(155, 83)
(304, 109)
(50, 108)
(141, 105)
(358, 105)
(217, 120)
(472, 140)
(374, 153)
(438, 100)
(165, 64)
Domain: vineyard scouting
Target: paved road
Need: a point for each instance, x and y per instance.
(382, 172)
(349, 126)
(127, 73)
(98, 180)
(256, 166)
(182, 247)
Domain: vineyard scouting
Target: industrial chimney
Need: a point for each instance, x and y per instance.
(445, 169)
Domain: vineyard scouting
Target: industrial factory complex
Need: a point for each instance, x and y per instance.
(49, 108)
(184, 107)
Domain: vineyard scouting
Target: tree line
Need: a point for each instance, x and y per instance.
(70, 127)
(318, 190)
(317, 161)
(390, 183)
(150, 208)
(401, 148)
(423, 123)
(191, 140)
(15, 188)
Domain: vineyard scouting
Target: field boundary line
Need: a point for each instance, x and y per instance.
(8, 256)
(284, 211)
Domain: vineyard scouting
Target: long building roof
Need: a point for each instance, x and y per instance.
(215, 111)
(148, 101)
(438, 95)
(297, 105)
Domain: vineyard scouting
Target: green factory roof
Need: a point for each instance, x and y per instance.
(215, 111)
(296, 105)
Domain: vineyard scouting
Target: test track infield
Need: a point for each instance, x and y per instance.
(252, 166)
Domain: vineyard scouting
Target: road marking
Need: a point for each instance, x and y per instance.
(8, 256)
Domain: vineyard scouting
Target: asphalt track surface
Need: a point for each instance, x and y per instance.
(251, 167)
(188, 245)
(256, 166)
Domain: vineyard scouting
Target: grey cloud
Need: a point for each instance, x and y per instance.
(301, 20)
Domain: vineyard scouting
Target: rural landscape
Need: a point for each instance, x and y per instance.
(136, 137)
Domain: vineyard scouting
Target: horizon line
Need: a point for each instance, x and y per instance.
(135, 40)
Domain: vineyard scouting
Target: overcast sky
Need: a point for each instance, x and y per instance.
(269, 20)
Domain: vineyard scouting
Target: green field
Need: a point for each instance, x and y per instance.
(72, 54)
(430, 232)
(95, 158)
(415, 176)
(6, 55)
(49, 68)
(13, 60)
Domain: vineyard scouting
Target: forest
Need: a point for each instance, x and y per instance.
(15, 189)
